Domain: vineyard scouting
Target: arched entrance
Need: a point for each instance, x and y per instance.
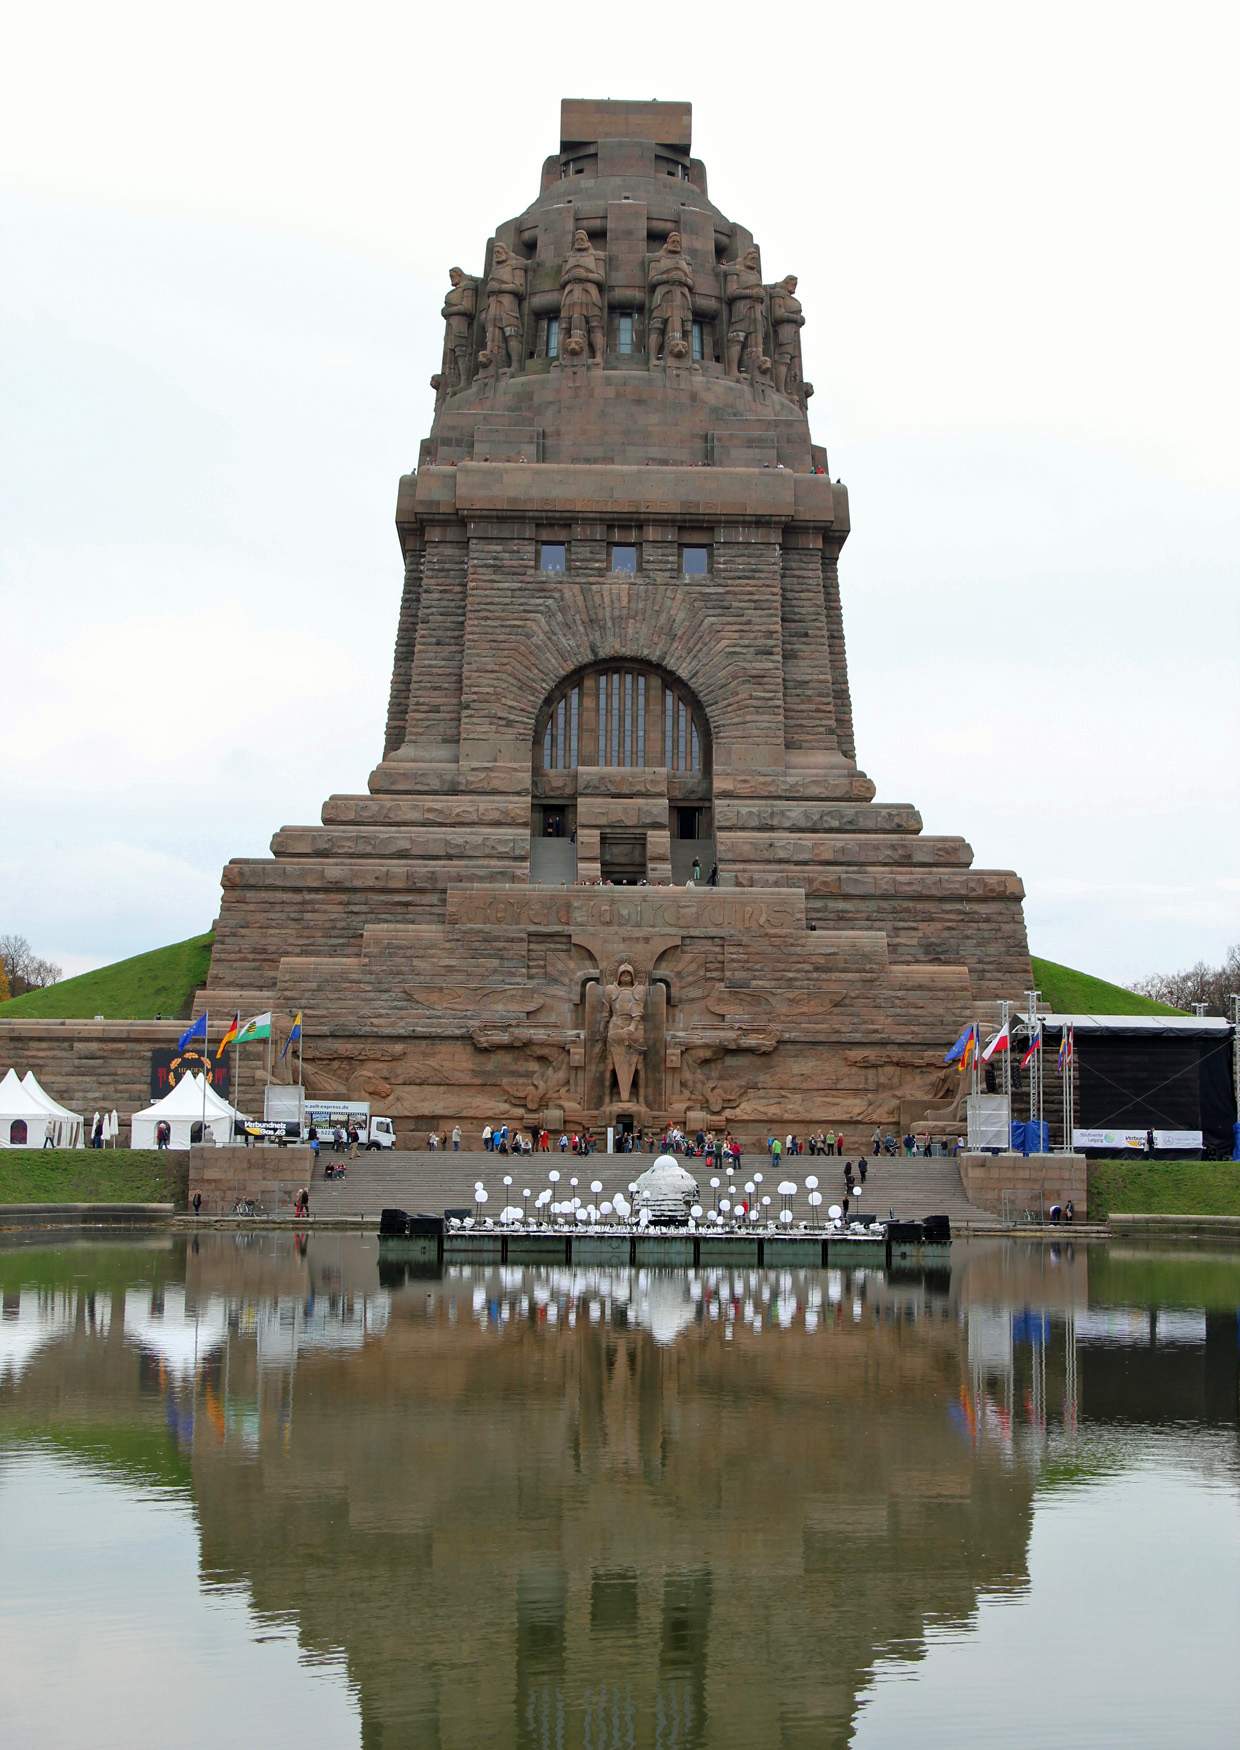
(648, 733)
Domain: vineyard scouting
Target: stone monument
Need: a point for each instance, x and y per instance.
(619, 658)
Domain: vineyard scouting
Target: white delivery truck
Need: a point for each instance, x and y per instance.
(302, 1113)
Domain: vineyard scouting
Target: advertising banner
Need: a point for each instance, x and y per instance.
(1134, 1140)
(168, 1065)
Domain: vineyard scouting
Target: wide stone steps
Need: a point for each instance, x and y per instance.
(434, 1180)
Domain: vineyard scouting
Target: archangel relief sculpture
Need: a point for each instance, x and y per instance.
(459, 309)
(626, 1028)
(581, 301)
(670, 282)
(787, 322)
(504, 292)
(746, 297)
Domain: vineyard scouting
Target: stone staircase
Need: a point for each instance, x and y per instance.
(436, 1180)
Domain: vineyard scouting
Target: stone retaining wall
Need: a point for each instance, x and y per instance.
(1031, 1181)
(270, 1176)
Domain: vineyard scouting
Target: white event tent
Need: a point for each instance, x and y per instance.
(70, 1129)
(23, 1121)
(182, 1108)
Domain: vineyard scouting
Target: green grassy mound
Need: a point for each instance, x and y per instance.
(1163, 1188)
(94, 1175)
(162, 982)
(1076, 993)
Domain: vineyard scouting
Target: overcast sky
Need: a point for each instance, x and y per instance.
(227, 234)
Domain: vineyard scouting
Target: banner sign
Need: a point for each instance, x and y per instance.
(168, 1065)
(1135, 1140)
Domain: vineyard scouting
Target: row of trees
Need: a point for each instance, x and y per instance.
(21, 969)
(1211, 985)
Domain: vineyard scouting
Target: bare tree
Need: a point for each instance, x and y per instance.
(24, 969)
(1211, 985)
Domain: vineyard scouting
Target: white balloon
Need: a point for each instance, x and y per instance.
(835, 1212)
(696, 1212)
(480, 1195)
(596, 1185)
(554, 1176)
(811, 1181)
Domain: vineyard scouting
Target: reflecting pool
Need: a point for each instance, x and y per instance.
(273, 1489)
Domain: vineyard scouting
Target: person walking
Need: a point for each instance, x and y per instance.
(197, 1202)
(777, 1149)
(831, 1142)
(863, 1167)
(456, 1139)
(876, 1141)
(49, 1133)
(487, 1135)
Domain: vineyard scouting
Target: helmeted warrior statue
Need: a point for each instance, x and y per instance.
(671, 300)
(504, 291)
(787, 321)
(746, 297)
(459, 309)
(581, 301)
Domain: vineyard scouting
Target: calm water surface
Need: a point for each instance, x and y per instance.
(260, 1490)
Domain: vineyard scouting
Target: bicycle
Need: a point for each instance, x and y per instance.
(248, 1206)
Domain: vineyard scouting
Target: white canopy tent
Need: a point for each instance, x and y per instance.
(70, 1126)
(181, 1108)
(23, 1119)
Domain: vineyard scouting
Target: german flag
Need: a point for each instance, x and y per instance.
(231, 1032)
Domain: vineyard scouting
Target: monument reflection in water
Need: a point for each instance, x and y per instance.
(606, 1507)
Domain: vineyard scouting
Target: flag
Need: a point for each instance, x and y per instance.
(230, 1033)
(958, 1048)
(197, 1031)
(295, 1034)
(1000, 1042)
(970, 1049)
(1065, 1049)
(1035, 1044)
(257, 1027)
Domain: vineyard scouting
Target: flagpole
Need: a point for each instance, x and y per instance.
(206, 1055)
(1005, 1013)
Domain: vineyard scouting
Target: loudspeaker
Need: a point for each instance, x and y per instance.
(393, 1222)
(938, 1230)
(424, 1226)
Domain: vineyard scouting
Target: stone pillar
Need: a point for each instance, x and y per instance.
(434, 721)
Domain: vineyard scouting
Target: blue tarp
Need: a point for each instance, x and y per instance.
(1235, 1142)
(1031, 1139)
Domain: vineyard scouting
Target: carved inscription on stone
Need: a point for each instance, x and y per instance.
(628, 909)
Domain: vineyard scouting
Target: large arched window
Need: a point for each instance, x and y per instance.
(623, 714)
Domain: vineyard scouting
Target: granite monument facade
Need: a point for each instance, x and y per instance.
(618, 863)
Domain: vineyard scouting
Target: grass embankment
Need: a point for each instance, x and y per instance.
(94, 1175)
(161, 982)
(1163, 1188)
(1068, 992)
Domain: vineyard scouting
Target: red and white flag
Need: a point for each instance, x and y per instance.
(1001, 1042)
